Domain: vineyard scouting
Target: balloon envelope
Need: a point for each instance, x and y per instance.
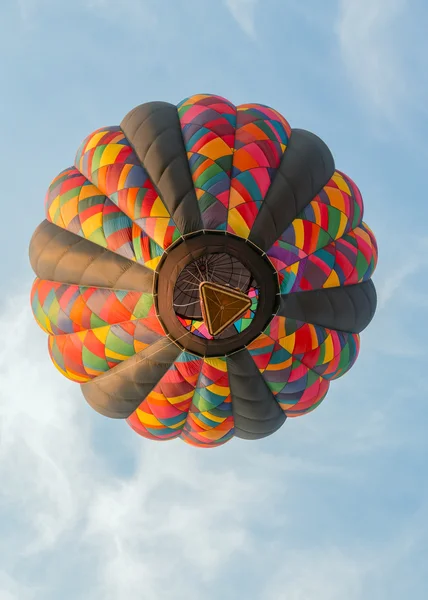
(203, 271)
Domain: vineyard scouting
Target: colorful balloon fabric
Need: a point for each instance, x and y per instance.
(203, 271)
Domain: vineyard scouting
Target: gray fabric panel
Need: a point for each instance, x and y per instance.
(117, 393)
(154, 131)
(349, 308)
(306, 167)
(60, 255)
(256, 412)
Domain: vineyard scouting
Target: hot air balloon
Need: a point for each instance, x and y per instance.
(203, 271)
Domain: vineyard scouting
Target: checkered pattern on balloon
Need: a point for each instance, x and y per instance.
(108, 199)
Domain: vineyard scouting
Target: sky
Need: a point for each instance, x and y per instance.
(335, 504)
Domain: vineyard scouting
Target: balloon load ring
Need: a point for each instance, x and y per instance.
(214, 293)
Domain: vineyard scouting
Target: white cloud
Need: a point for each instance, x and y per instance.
(395, 281)
(352, 570)
(182, 516)
(244, 13)
(145, 528)
(177, 511)
(43, 435)
(10, 589)
(367, 32)
(395, 270)
(318, 574)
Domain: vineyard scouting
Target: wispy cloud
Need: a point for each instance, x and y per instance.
(400, 269)
(166, 516)
(11, 589)
(138, 13)
(244, 13)
(179, 512)
(44, 453)
(373, 48)
(351, 570)
(135, 13)
(319, 574)
(175, 513)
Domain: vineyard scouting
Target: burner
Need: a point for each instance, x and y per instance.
(220, 268)
(227, 273)
(222, 306)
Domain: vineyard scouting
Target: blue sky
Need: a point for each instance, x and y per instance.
(333, 506)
